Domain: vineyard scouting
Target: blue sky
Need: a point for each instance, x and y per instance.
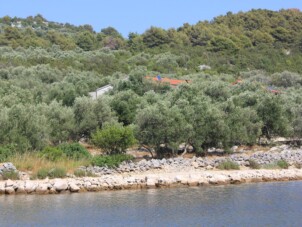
(135, 15)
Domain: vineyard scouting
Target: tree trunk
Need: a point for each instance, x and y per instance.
(149, 149)
(185, 151)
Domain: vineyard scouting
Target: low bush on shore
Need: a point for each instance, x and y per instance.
(111, 160)
(33, 162)
(228, 165)
(270, 166)
(52, 154)
(72, 151)
(6, 152)
(83, 173)
(12, 175)
(254, 164)
(298, 165)
(283, 164)
(57, 172)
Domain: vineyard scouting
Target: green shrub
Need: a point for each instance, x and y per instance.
(227, 165)
(51, 173)
(283, 164)
(74, 151)
(228, 150)
(110, 160)
(42, 173)
(52, 154)
(57, 173)
(83, 173)
(12, 175)
(114, 138)
(271, 166)
(254, 164)
(6, 152)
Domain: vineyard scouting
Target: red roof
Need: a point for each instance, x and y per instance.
(172, 82)
(237, 82)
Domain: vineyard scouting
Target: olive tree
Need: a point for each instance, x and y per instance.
(114, 138)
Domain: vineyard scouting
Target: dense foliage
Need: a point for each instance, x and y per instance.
(110, 161)
(243, 74)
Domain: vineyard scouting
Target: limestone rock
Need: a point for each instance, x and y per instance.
(150, 182)
(2, 188)
(30, 186)
(42, 188)
(73, 187)
(9, 190)
(60, 185)
(9, 183)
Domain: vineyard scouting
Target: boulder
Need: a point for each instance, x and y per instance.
(2, 188)
(219, 179)
(42, 188)
(9, 190)
(73, 187)
(60, 185)
(30, 186)
(150, 182)
(9, 183)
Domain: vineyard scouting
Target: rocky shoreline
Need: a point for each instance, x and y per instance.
(173, 172)
(293, 156)
(159, 179)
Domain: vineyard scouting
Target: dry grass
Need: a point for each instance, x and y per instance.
(31, 162)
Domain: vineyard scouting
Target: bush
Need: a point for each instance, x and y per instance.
(74, 151)
(254, 164)
(114, 138)
(271, 166)
(227, 165)
(6, 152)
(110, 160)
(12, 175)
(83, 173)
(283, 164)
(298, 165)
(52, 173)
(52, 154)
(42, 173)
(57, 173)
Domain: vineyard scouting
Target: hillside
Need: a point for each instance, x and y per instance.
(258, 39)
(241, 80)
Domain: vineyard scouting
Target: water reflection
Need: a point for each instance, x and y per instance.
(262, 204)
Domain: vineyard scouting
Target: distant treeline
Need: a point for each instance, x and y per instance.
(259, 39)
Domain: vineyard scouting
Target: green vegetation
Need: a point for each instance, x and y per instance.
(5, 153)
(57, 172)
(74, 151)
(111, 160)
(65, 151)
(114, 138)
(282, 164)
(242, 73)
(254, 164)
(228, 165)
(82, 173)
(12, 175)
(52, 154)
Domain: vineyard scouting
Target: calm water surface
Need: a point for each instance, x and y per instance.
(261, 204)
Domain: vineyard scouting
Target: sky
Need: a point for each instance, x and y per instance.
(135, 15)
